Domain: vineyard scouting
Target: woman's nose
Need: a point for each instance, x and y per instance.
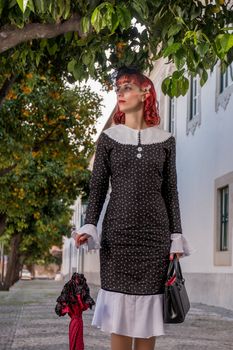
(120, 92)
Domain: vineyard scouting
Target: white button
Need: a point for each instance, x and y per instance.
(139, 149)
(139, 155)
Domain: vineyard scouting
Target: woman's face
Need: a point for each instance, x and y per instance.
(130, 97)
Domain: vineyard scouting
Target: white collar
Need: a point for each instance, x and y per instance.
(125, 135)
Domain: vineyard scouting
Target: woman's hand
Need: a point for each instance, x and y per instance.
(171, 257)
(81, 239)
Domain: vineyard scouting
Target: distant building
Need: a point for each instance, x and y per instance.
(79, 260)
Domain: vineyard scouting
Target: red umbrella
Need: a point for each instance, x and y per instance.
(74, 299)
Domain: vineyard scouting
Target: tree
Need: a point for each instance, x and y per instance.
(89, 38)
(46, 129)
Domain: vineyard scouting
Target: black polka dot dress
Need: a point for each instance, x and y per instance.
(141, 215)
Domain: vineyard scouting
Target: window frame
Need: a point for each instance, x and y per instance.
(194, 100)
(171, 115)
(223, 235)
(225, 78)
(223, 257)
(223, 93)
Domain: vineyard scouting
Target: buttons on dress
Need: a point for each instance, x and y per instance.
(139, 155)
(139, 149)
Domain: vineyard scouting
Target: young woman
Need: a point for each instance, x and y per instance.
(141, 229)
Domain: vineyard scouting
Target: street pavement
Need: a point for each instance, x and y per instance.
(28, 322)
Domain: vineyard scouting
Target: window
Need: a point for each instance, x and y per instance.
(223, 217)
(193, 112)
(226, 78)
(223, 234)
(224, 86)
(193, 105)
(171, 116)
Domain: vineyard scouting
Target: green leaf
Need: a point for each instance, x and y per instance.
(225, 42)
(68, 37)
(97, 19)
(130, 57)
(202, 48)
(115, 22)
(60, 8)
(180, 58)
(52, 49)
(171, 49)
(78, 72)
(67, 9)
(85, 23)
(38, 57)
(174, 29)
(166, 85)
(41, 6)
(107, 17)
(124, 16)
(184, 85)
(87, 58)
(177, 74)
(15, 55)
(43, 43)
(195, 11)
(141, 7)
(23, 56)
(71, 65)
(204, 77)
(2, 3)
(22, 4)
(31, 6)
(174, 87)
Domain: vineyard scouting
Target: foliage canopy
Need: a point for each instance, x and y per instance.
(91, 38)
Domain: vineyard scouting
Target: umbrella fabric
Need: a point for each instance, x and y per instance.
(74, 299)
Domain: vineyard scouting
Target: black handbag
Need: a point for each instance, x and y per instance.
(176, 302)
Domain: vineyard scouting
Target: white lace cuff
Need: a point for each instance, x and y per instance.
(93, 241)
(180, 245)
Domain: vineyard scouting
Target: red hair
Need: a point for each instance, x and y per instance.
(151, 113)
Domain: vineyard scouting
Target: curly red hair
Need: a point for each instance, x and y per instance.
(151, 113)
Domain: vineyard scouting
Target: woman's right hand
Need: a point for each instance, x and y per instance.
(81, 239)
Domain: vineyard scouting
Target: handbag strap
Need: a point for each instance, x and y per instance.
(177, 269)
(174, 268)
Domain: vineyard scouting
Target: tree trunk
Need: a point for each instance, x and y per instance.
(14, 264)
(31, 268)
(2, 223)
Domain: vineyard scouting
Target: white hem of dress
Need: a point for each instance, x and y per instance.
(136, 316)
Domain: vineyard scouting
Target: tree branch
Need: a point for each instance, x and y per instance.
(12, 36)
(38, 144)
(7, 170)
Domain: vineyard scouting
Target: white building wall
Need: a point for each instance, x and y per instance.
(201, 158)
(80, 260)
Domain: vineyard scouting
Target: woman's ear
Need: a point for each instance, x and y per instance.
(145, 95)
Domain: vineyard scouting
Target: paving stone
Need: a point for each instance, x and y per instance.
(28, 322)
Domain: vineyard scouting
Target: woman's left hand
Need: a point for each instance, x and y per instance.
(171, 257)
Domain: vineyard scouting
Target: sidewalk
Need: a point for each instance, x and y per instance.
(28, 322)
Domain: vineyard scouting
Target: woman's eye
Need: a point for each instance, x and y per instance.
(123, 88)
